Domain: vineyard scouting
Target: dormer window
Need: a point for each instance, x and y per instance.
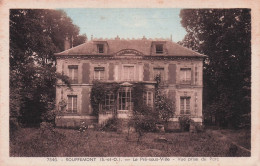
(100, 48)
(159, 48)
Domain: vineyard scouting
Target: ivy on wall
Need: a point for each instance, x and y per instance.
(98, 94)
(145, 117)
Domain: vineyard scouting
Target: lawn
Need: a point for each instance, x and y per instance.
(33, 142)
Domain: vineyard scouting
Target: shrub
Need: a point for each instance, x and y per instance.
(49, 116)
(111, 125)
(184, 123)
(46, 127)
(13, 126)
(198, 127)
(83, 127)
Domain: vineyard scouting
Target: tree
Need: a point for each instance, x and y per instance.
(225, 36)
(35, 35)
(163, 105)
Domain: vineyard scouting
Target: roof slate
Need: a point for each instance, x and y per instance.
(143, 46)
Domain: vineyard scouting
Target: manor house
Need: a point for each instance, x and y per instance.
(128, 62)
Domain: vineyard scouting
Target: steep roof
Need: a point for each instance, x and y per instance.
(141, 45)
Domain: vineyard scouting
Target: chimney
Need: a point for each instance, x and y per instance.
(117, 38)
(66, 42)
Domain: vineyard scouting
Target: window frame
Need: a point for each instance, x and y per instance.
(159, 48)
(109, 102)
(162, 72)
(98, 48)
(98, 71)
(125, 104)
(73, 73)
(186, 105)
(183, 74)
(74, 107)
(146, 96)
(128, 75)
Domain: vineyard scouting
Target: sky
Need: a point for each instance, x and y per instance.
(128, 22)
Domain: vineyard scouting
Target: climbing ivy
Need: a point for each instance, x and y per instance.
(98, 94)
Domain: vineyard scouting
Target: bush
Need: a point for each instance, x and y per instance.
(49, 116)
(13, 126)
(46, 127)
(197, 126)
(145, 119)
(184, 123)
(111, 125)
(83, 127)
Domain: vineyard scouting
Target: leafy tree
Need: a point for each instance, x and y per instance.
(163, 105)
(35, 35)
(225, 36)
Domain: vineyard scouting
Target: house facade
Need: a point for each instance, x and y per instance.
(127, 62)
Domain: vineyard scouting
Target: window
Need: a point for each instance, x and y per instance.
(148, 98)
(185, 75)
(72, 104)
(109, 101)
(158, 72)
(125, 99)
(185, 105)
(99, 73)
(73, 73)
(100, 48)
(128, 74)
(159, 49)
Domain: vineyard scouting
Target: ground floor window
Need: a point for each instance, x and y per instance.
(185, 105)
(72, 104)
(109, 101)
(125, 98)
(148, 98)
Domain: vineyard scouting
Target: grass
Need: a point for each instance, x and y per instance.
(33, 142)
(241, 137)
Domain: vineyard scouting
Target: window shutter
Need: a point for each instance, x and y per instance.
(85, 73)
(111, 71)
(172, 73)
(69, 103)
(74, 104)
(146, 72)
(182, 105)
(85, 110)
(192, 76)
(75, 76)
(196, 75)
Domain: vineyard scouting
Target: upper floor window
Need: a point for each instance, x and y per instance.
(185, 75)
(159, 71)
(128, 73)
(100, 48)
(159, 48)
(185, 105)
(73, 73)
(72, 104)
(148, 98)
(99, 73)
